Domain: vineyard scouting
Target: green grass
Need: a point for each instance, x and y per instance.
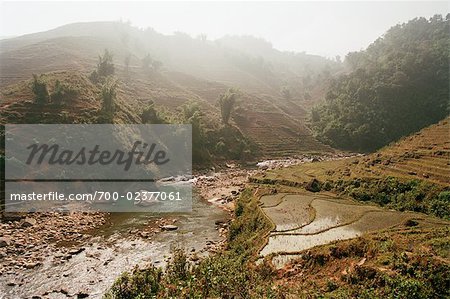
(228, 274)
(404, 264)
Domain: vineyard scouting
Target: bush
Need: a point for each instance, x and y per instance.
(105, 68)
(109, 96)
(39, 88)
(62, 93)
(226, 102)
(151, 116)
(440, 206)
(140, 283)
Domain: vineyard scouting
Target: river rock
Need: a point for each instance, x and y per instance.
(27, 222)
(168, 179)
(32, 265)
(82, 295)
(75, 251)
(4, 242)
(169, 227)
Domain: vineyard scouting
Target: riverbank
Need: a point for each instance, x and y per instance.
(377, 262)
(69, 254)
(63, 249)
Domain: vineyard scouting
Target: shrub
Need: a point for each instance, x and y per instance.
(151, 116)
(62, 93)
(105, 68)
(140, 283)
(109, 96)
(39, 88)
(440, 206)
(226, 102)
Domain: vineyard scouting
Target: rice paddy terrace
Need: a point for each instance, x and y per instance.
(305, 220)
(424, 156)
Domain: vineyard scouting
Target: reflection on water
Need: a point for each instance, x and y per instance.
(293, 212)
(295, 243)
(333, 220)
(113, 250)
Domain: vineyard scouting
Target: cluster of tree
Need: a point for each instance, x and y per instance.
(61, 94)
(151, 65)
(227, 102)
(397, 86)
(104, 74)
(105, 67)
(209, 141)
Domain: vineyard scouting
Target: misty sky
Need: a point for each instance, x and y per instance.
(324, 28)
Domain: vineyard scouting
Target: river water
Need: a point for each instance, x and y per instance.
(113, 249)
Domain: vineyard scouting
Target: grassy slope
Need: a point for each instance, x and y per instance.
(407, 262)
(17, 103)
(423, 156)
(200, 72)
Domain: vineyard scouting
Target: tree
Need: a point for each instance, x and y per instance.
(105, 65)
(109, 96)
(39, 88)
(227, 102)
(397, 86)
(191, 114)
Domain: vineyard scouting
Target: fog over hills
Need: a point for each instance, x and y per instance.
(278, 87)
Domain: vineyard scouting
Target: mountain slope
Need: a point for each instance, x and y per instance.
(193, 69)
(423, 156)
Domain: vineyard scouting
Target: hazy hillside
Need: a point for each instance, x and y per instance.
(244, 62)
(277, 88)
(397, 86)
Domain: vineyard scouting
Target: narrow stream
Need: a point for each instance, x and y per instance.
(113, 250)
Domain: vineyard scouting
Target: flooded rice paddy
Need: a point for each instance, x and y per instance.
(303, 221)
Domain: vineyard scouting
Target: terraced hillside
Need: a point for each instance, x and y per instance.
(423, 156)
(273, 122)
(304, 220)
(278, 135)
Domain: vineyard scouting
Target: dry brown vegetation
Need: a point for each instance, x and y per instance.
(192, 71)
(423, 156)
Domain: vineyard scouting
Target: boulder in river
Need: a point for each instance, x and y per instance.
(27, 222)
(169, 227)
(4, 242)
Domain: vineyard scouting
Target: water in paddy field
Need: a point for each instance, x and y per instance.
(113, 250)
(330, 219)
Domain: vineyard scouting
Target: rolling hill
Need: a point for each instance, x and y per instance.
(423, 156)
(193, 69)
